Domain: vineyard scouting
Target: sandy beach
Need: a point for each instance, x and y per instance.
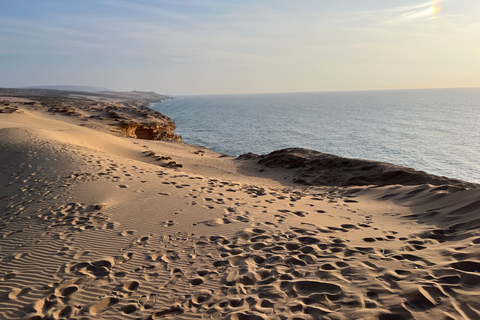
(97, 223)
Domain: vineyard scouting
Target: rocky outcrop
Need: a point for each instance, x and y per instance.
(316, 168)
(151, 131)
(65, 110)
(128, 130)
(127, 111)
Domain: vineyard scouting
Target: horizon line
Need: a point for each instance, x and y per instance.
(244, 93)
(325, 91)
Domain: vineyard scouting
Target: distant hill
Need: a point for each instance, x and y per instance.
(71, 88)
(54, 95)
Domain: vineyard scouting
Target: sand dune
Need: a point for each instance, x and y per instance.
(316, 168)
(96, 226)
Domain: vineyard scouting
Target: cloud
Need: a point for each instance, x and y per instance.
(405, 14)
(185, 30)
(24, 37)
(399, 9)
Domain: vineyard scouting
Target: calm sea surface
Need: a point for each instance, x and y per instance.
(434, 130)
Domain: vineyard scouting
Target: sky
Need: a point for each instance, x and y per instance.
(179, 47)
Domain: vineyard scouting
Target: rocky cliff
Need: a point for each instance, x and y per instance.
(128, 112)
(150, 131)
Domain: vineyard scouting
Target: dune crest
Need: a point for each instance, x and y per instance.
(316, 168)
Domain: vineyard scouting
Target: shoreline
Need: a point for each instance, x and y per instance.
(100, 226)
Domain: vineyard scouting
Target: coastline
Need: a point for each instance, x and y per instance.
(412, 129)
(100, 226)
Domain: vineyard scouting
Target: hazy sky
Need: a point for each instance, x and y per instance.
(225, 46)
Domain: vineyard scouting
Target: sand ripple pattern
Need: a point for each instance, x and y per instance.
(261, 273)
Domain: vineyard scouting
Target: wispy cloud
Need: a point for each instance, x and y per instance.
(405, 14)
(24, 33)
(400, 9)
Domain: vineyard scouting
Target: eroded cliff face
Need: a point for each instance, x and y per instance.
(141, 122)
(128, 130)
(151, 131)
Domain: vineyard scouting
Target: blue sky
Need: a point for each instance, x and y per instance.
(212, 46)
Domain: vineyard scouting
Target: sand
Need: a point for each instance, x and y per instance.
(98, 226)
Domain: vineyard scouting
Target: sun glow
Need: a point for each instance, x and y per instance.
(434, 8)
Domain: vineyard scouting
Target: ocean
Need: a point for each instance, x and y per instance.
(433, 130)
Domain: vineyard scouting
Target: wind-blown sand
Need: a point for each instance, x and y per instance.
(98, 226)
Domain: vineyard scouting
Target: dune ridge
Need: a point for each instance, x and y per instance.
(99, 226)
(316, 168)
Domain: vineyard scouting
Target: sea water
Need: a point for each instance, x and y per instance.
(433, 130)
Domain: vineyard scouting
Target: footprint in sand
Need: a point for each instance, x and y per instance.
(147, 301)
(168, 223)
(196, 281)
(80, 254)
(172, 311)
(126, 233)
(142, 241)
(103, 305)
(212, 223)
(65, 292)
(129, 309)
(131, 286)
(300, 213)
(9, 276)
(201, 297)
(16, 293)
